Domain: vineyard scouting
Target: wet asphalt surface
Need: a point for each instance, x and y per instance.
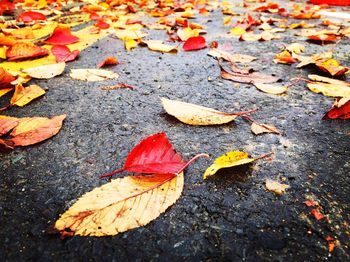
(229, 217)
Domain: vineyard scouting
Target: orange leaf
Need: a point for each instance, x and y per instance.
(7, 41)
(120, 205)
(61, 36)
(22, 51)
(5, 78)
(7, 123)
(23, 95)
(23, 33)
(332, 67)
(34, 130)
(111, 60)
(317, 214)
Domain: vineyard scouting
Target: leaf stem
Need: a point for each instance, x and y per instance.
(265, 156)
(5, 107)
(246, 112)
(191, 160)
(112, 173)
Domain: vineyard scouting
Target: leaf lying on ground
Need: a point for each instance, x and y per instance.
(340, 109)
(332, 67)
(157, 45)
(30, 16)
(23, 95)
(258, 129)
(271, 89)
(307, 60)
(63, 53)
(111, 60)
(91, 74)
(197, 115)
(4, 91)
(251, 78)
(117, 86)
(46, 71)
(154, 155)
(27, 131)
(232, 58)
(194, 43)
(328, 86)
(120, 205)
(285, 57)
(61, 36)
(230, 159)
(276, 187)
(22, 51)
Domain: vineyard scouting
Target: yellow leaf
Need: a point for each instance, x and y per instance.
(130, 43)
(186, 33)
(295, 48)
(196, 115)
(276, 187)
(3, 52)
(23, 95)
(4, 91)
(237, 31)
(271, 89)
(120, 205)
(44, 31)
(129, 34)
(157, 45)
(328, 80)
(227, 20)
(328, 86)
(263, 128)
(46, 71)
(230, 159)
(92, 74)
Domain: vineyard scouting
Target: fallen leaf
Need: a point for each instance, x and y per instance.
(230, 159)
(185, 33)
(120, 205)
(22, 33)
(157, 45)
(7, 123)
(154, 155)
(251, 78)
(295, 48)
(263, 128)
(332, 67)
(130, 43)
(328, 86)
(22, 51)
(23, 95)
(194, 43)
(129, 34)
(29, 131)
(232, 58)
(4, 91)
(92, 74)
(63, 53)
(276, 187)
(111, 60)
(271, 89)
(197, 115)
(61, 36)
(338, 111)
(46, 71)
(117, 86)
(306, 60)
(317, 214)
(285, 57)
(29, 16)
(5, 78)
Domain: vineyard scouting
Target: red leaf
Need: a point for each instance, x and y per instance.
(309, 203)
(154, 155)
(22, 50)
(342, 112)
(61, 36)
(6, 7)
(102, 25)
(30, 16)
(194, 43)
(63, 54)
(317, 214)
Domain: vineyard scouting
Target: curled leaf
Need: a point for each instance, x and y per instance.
(271, 89)
(111, 60)
(232, 58)
(250, 78)
(5, 78)
(120, 205)
(157, 45)
(276, 187)
(230, 159)
(258, 129)
(63, 53)
(23, 95)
